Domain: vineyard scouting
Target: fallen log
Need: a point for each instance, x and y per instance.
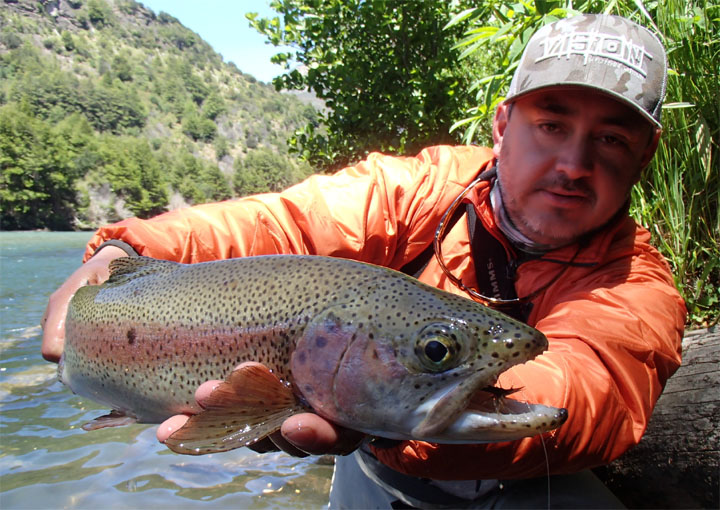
(676, 464)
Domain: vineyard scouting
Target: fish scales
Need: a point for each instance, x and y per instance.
(341, 335)
(186, 324)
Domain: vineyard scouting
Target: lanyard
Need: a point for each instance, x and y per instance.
(492, 267)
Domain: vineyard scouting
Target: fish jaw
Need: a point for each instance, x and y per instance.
(506, 421)
(487, 418)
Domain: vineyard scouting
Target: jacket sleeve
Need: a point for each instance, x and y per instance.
(379, 211)
(614, 339)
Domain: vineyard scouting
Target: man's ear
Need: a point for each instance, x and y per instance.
(502, 113)
(649, 151)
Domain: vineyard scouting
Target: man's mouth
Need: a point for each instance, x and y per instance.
(560, 197)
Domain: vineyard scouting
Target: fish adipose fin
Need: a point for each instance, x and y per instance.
(251, 404)
(114, 419)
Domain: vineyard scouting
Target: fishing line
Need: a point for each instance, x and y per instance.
(547, 468)
(542, 442)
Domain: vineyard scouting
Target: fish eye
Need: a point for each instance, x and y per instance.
(436, 351)
(438, 347)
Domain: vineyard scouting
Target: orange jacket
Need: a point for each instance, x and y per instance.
(614, 320)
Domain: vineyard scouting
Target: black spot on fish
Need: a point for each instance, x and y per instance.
(301, 358)
(321, 341)
(131, 335)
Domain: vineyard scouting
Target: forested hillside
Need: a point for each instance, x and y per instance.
(109, 110)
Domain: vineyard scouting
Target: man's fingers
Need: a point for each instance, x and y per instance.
(265, 445)
(204, 391)
(283, 444)
(315, 435)
(169, 426)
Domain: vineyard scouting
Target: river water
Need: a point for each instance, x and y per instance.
(48, 461)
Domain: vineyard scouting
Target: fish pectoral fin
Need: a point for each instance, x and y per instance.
(114, 419)
(251, 404)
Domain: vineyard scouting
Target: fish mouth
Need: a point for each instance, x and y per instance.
(488, 416)
(499, 418)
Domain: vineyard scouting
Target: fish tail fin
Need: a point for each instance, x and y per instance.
(250, 405)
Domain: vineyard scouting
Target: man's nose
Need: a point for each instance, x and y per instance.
(576, 159)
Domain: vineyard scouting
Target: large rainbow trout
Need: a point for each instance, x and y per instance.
(364, 346)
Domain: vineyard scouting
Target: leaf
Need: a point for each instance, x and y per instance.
(460, 17)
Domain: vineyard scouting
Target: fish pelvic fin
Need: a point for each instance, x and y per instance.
(125, 268)
(114, 419)
(249, 405)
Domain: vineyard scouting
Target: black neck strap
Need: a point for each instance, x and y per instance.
(494, 268)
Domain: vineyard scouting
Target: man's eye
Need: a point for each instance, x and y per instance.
(611, 140)
(549, 127)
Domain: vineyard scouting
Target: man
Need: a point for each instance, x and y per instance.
(538, 225)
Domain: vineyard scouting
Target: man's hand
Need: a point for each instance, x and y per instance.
(93, 272)
(301, 434)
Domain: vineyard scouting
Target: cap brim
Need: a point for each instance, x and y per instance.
(569, 84)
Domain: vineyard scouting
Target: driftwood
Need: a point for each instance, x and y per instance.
(676, 463)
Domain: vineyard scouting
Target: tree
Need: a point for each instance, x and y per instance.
(135, 175)
(198, 181)
(38, 169)
(199, 128)
(213, 106)
(262, 171)
(99, 13)
(122, 68)
(213, 184)
(386, 70)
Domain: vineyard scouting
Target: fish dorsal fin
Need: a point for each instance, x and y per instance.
(124, 268)
(250, 405)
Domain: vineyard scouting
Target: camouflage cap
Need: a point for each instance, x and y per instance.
(603, 52)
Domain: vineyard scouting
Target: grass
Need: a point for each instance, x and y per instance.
(678, 200)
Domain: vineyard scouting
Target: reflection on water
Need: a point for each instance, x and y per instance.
(48, 461)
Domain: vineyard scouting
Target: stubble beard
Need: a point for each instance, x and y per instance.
(550, 232)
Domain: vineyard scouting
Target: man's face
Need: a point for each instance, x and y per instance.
(567, 159)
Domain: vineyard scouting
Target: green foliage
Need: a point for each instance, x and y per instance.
(99, 13)
(222, 148)
(214, 106)
(135, 175)
(386, 71)
(497, 35)
(679, 197)
(199, 181)
(67, 40)
(262, 171)
(199, 128)
(122, 68)
(53, 94)
(81, 104)
(39, 165)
